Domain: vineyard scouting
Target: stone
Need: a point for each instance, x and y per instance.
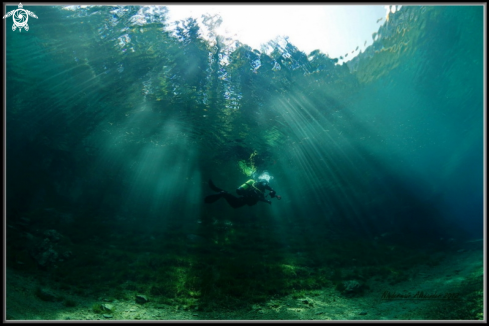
(107, 316)
(107, 307)
(352, 287)
(141, 299)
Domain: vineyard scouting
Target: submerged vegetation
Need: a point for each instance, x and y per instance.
(204, 274)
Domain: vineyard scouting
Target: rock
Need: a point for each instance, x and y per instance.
(141, 299)
(43, 253)
(107, 316)
(352, 287)
(107, 307)
(45, 295)
(46, 257)
(48, 251)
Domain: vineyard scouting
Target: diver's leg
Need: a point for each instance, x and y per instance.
(212, 198)
(251, 201)
(235, 202)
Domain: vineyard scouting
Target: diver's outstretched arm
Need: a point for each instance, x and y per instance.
(273, 194)
(265, 200)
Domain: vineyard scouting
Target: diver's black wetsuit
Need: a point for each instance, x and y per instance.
(249, 197)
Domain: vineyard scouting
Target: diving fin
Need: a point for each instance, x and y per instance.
(213, 186)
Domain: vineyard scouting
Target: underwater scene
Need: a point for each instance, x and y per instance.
(162, 171)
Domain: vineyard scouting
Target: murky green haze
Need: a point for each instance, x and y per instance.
(117, 126)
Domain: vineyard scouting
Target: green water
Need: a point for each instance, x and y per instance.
(117, 126)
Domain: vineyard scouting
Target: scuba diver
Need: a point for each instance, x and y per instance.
(251, 192)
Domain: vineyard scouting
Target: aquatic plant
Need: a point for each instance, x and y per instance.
(248, 168)
(97, 308)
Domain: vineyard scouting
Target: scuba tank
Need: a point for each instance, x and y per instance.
(247, 185)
